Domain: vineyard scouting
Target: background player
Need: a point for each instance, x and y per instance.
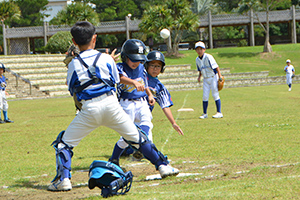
(3, 93)
(209, 69)
(155, 65)
(92, 77)
(290, 71)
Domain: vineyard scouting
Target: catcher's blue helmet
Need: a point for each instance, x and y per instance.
(135, 50)
(2, 67)
(110, 178)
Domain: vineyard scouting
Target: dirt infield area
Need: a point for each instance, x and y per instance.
(36, 187)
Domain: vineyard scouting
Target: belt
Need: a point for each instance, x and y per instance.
(137, 99)
(103, 96)
(209, 77)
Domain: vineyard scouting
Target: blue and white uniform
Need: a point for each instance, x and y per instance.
(3, 101)
(135, 102)
(207, 66)
(159, 92)
(100, 106)
(289, 72)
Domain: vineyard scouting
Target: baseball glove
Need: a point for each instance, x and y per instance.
(293, 75)
(72, 52)
(221, 83)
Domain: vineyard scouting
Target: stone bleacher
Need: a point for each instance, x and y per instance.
(45, 76)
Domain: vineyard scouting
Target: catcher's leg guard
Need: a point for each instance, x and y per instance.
(64, 154)
(149, 150)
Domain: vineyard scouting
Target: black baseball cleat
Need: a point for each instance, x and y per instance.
(2, 122)
(8, 121)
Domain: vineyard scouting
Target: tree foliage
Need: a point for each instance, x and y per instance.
(112, 10)
(174, 15)
(202, 6)
(9, 11)
(31, 12)
(78, 11)
(59, 42)
(262, 5)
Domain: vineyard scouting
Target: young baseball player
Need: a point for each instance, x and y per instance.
(3, 93)
(290, 72)
(155, 65)
(209, 69)
(133, 92)
(91, 77)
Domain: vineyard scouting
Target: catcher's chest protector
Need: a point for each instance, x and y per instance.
(109, 177)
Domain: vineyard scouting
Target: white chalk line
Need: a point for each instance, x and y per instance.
(182, 175)
(172, 130)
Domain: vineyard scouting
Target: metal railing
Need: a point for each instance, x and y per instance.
(18, 76)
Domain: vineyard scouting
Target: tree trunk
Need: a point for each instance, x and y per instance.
(267, 46)
(169, 45)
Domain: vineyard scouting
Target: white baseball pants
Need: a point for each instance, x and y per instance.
(289, 78)
(210, 84)
(100, 111)
(3, 101)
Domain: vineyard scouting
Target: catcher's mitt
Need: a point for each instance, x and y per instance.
(293, 75)
(221, 83)
(72, 52)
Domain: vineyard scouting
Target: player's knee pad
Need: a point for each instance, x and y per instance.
(64, 154)
(143, 138)
(144, 141)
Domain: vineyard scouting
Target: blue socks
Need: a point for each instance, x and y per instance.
(5, 115)
(116, 153)
(205, 105)
(218, 104)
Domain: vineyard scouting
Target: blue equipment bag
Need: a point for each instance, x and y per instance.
(110, 178)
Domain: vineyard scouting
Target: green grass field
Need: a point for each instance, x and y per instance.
(247, 59)
(252, 153)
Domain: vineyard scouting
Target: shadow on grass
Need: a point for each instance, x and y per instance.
(33, 185)
(240, 54)
(29, 184)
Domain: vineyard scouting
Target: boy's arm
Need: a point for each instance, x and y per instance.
(170, 117)
(199, 77)
(219, 73)
(128, 81)
(151, 99)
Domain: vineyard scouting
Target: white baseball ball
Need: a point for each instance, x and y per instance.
(165, 33)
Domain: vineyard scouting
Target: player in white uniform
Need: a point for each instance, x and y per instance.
(3, 93)
(92, 77)
(133, 92)
(209, 69)
(290, 71)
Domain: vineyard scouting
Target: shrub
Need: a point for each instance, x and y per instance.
(59, 42)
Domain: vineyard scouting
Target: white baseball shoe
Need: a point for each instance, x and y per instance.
(203, 116)
(167, 170)
(218, 115)
(64, 185)
(290, 89)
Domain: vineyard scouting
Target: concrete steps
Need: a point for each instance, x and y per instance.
(45, 76)
(230, 83)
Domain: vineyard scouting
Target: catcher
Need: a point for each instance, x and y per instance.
(212, 79)
(72, 52)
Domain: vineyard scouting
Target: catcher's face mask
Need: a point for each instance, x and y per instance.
(110, 178)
